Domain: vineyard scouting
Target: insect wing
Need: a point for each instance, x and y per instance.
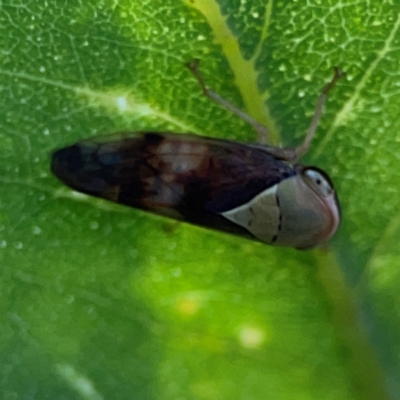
(183, 176)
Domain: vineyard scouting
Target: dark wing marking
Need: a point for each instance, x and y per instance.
(177, 175)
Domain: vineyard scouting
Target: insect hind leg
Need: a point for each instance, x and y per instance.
(262, 130)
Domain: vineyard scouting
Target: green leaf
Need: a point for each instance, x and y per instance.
(104, 302)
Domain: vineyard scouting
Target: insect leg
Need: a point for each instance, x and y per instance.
(305, 145)
(261, 130)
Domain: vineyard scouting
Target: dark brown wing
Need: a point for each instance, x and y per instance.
(183, 176)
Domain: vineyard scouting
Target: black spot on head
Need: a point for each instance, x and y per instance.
(277, 200)
(280, 214)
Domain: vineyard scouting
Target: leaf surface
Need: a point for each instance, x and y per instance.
(104, 302)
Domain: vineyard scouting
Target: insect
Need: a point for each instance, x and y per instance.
(254, 190)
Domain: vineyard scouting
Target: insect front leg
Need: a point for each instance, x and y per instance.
(293, 154)
(302, 149)
(262, 130)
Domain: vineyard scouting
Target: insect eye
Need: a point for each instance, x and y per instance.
(318, 181)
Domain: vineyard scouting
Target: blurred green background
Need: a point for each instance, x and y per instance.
(104, 302)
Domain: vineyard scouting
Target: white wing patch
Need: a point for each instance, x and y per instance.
(260, 216)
